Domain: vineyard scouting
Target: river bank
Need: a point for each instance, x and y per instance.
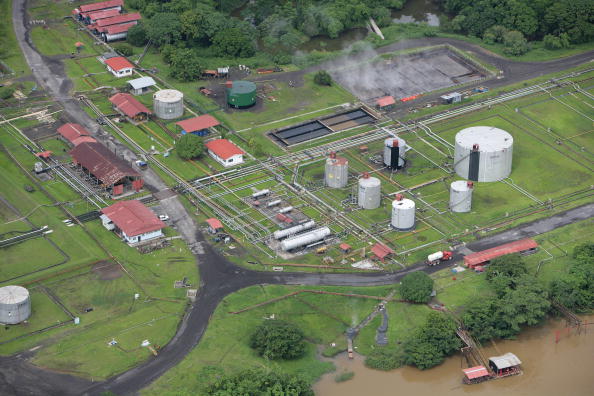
(550, 368)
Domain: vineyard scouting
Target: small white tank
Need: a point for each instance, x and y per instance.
(394, 152)
(336, 173)
(370, 193)
(403, 213)
(15, 304)
(461, 196)
(168, 104)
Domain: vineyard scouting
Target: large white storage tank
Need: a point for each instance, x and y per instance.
(394, 152)
(336, 173)
(15, 304)
(280, 234)
(483, 154)
(370, 192)
(461, 196)
(168, 104)
(403, 213)
(305, 239)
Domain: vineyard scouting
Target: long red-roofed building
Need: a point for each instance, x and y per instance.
(116, 32)
(381, 251)
(93, 17)
(109, 171)
(127, 105)
(225, 152)
(132, 221)
(115, 20)
(198, 125)
(103, 5)
(475, 259)
(75, 133)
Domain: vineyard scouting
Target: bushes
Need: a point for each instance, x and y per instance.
(137, 35)
(276, 339)
(384, 359)
(556, 42)
(514, 43)
(416, 287)
(260, 382)
(6, 92)
(189, 146)
(124, 49)
(575, 289)
(323, 78)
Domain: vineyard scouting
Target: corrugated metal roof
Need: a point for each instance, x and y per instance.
(102, 163)
(72, 131)
(385, 101)
(475, 372)
(115, 29)
(215, 224)
(133, 217)
(101, 5)
(118, 19)
(198, 123)
(223, 148)
(505, 361)
(83, 139)
(381, 250)
(128, 105)
(508, 248)
(142, 82)
(102, 14)
(118, 63)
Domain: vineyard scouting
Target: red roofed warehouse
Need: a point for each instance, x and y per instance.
(476, 259)
(225, 152)
(127, 105)
(386, 102)
(198, 125)
(93, 17)
(75, 134)
(381, 251)
(103, 5)
(107, 170)
(133, 221)
(214, 225)
(116, 32)
(119, 66)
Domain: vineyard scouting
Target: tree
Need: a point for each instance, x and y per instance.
(260, 382)
(164, 28)
(514, 43)
(233, 42)
(137, 35)
(323, 78)
(575, 289)
(124, 49)
(416, 287)
(432, 342)
(277, 339)
(185, 65)
(479, 318)
(510, 265)
(189, 146)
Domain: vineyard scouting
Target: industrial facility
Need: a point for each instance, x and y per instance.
(483, 154)
(241, 94)
(15, 304)
(403, 213)
(336, 172)
(394, 153)
(369, 192)
(461, 196)
(168, 104)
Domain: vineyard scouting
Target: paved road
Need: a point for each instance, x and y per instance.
(218, 276)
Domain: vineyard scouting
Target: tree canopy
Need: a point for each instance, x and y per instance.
(189, 146)
(323, 78)
(233, 42)
(277, 339)
(260, 383)
(417, 287)
(432, 342)
(185, 64)
(575, 289)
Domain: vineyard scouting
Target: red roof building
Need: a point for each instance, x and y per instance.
(103, 5)
(92, 17)
(381, 251)
(116, 29)
(214, 225)
(110, 171)
(127, 105)
(345, 247)
(117, 20)
(44, 154)
(83, 139)
(133, 221)
(198, 125)
(119, 66)
(474, 259)
(385, 101)
(72, 131)
(225, 152)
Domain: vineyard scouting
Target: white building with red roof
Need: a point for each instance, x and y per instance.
(119, 66)
(132, 221)
(225, 152)
(127, 105)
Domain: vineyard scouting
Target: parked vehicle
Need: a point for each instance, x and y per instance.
(438, 257)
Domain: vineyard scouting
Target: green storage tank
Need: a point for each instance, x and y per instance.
(241, 93)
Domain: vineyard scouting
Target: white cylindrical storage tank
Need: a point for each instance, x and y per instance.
(403, 213)
(370, 192)
(15, 304)
(483, 154)
(260, 193)
(286, 209)
(273, 203)
(394, 152)
(168, 104)
(280, 234)
(461, 196)
(305, 239)
(336, 173)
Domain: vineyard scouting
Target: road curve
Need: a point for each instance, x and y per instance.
(218, 276)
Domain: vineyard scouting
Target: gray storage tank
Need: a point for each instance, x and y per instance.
(336, 173)
(370, 193)
(15, 304)
(394, 152)
(483, 154)
(168, 104)
(403, 213)
(461, 196)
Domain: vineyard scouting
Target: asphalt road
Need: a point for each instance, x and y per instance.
(218, 276)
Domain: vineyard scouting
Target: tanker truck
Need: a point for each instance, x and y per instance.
(438, 257)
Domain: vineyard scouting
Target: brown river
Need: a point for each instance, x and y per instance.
(565, 368)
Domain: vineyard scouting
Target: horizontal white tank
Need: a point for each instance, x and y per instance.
(168, 104)
(261, 193)
(369, 193)
(305, 239)
(336, 171)
(394, 152)
(435, 256)
(280, 234)
(483, 154)
(273, 203)
(286, 209)
(461, 196)
(15, 304)
(403, 214)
